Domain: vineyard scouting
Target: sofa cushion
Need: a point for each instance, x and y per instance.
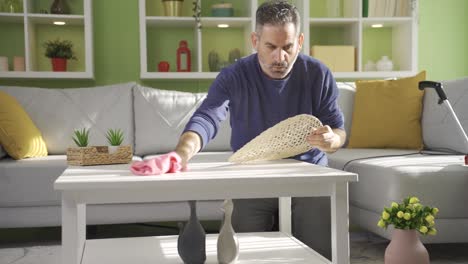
(2, 152)
(161, 116)
(346, 103)
(57, 112)
(387, 114)
(438, 180)
(440, 130)
(30, 182)
(18, 134)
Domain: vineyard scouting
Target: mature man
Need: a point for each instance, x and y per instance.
(261, 90)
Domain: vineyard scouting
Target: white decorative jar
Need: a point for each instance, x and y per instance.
(384, 64)
(370, 66)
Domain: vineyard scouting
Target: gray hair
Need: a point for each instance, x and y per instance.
(277, 13)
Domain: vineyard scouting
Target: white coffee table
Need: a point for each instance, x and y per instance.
(206, 180)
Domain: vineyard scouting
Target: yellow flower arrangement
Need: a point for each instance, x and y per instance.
(410, 214)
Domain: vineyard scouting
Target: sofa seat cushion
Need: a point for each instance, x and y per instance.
(438, 180)
(57, 112)
(29, 182)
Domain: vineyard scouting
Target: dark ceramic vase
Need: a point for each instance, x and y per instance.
(59, 7)
(192, 237)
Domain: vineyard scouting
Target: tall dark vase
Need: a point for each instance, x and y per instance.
(59, 7)
(192, 238)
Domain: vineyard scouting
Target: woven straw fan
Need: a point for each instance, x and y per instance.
(285, 139)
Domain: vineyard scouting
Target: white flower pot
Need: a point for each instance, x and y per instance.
(113, 149)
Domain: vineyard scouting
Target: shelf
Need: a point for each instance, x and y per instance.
(373, 74)
(50, 19)
(231, 21)
(254, 248)
(333, 21)
(23, 34)
(46, 75)
(344, 26)
(165, 22)
(386, 21)
(11, 17)
(179, 75)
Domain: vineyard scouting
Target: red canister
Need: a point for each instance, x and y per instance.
(183, 57)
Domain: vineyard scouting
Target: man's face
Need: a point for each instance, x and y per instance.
(277, 48)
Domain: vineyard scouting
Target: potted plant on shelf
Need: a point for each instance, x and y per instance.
(114, 137)
(409, 218)
(59, 51)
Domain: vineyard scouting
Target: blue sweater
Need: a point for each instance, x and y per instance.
(256, 102)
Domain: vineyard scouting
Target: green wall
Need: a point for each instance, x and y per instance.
(443, 46)
(443, 38)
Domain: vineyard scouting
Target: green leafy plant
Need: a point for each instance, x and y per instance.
(59, 49)
(115, 137)
(410, 214)
(81, 137)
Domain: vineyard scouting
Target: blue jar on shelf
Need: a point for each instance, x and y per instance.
(222, 10)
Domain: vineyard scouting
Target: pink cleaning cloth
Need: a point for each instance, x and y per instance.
(167, 163)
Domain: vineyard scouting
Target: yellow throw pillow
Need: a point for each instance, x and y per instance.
(387, 114)
(18, 135)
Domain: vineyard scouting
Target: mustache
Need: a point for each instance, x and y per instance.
(283, 64)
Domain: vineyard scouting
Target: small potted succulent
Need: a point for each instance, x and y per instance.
(81, 137)
(115, 138)
(59, 51)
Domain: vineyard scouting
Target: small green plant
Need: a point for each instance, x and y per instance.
(410, 214)
(81, 137)
(115, 137)
(59, 49)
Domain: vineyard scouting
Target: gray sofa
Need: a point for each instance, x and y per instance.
(153, 119)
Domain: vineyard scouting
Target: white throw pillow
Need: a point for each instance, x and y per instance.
(161, 116)
(439, 127)
(58, 112)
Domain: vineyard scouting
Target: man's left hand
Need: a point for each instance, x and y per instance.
(327, 139)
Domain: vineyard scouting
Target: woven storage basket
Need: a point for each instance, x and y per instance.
(98, 155)
(283, 140)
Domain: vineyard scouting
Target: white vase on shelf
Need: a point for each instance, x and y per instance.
(370, 66)
(384, 64)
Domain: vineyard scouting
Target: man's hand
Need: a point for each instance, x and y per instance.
(189, 144)
(327, 139)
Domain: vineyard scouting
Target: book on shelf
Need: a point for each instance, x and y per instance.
(385, 8)
(402, 7)
(365, 8)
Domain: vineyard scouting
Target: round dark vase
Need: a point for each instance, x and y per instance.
(59, 7)
(192, 239)
(406, 248)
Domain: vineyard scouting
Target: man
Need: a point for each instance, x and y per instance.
(261, 90)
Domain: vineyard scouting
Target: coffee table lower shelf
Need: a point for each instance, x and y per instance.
(270, 247)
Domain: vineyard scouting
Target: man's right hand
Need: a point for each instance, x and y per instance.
(189, 145)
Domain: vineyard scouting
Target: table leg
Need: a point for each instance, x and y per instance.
(339, 227)
(284, 215)
(73, 230)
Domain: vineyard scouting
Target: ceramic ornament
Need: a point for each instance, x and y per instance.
(228, 245)
(192, 239)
